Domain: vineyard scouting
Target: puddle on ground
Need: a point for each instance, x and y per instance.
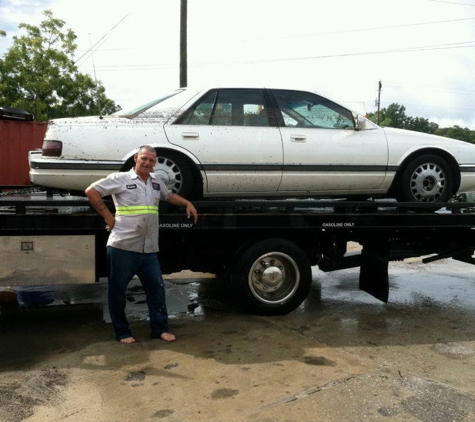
(416, 290)
(186, 297)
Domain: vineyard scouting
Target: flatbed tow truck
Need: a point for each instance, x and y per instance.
(264, 249)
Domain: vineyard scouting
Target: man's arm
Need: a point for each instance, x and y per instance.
(182, 202)
(97, 203)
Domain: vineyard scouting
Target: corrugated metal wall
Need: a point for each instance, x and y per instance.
(16, 139)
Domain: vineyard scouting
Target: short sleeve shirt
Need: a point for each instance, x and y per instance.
(137, 205)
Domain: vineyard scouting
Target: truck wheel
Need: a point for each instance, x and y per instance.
(272, 277)
(427, 179)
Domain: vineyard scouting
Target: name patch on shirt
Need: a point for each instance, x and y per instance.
(156, 186)
(131, 186)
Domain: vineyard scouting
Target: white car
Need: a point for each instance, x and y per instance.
(256, 142)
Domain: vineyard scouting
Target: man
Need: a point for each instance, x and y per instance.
(133, 243)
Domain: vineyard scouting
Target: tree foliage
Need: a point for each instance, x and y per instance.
(38, 74)
(456, 132)
(395, 116)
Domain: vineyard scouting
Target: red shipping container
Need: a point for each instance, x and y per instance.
(16, 139)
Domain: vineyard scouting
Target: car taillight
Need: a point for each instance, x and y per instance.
(52, 148)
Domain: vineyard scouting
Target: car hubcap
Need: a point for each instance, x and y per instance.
(428, 183)
(274, 278)
(169, 172)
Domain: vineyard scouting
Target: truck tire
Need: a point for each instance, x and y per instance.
(272, 277)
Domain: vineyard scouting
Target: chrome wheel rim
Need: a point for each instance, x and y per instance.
(428, 182)
(170, 173)
(274, 278)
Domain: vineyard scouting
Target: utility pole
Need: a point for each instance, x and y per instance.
(183, 44)
(379, 98)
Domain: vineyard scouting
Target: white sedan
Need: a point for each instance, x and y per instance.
(225, 142)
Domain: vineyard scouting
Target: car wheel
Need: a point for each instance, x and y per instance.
(428, 178)
(174, 171)
(272, 277)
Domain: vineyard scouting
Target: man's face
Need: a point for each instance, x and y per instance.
(144, 162)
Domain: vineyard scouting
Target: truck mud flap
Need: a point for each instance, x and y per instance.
(374, 270)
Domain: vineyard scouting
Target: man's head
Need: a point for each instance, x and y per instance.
(145, 159)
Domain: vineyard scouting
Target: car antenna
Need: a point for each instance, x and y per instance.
(91, 51)
(95, 79)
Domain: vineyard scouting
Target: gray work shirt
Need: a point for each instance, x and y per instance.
(137, 204)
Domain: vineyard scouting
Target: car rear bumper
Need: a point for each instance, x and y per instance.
(68, 174)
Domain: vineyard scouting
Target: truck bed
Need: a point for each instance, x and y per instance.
(321, 229)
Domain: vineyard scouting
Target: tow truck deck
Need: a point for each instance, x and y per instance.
(263, 248)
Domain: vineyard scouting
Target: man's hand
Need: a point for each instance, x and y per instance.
(182, 202)
(110, 222)
(191, 211)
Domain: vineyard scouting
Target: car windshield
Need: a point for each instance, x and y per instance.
(152, 105)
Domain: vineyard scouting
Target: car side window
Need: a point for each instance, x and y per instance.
(306, 109)
(229, 107)
(200, 112)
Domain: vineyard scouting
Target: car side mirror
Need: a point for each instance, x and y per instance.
(360, 122)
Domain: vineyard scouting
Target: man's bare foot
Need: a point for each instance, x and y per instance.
(127, 340)
(168, 337)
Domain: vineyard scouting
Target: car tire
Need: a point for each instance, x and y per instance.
(271, 277)
(174, 171)
(427, 179)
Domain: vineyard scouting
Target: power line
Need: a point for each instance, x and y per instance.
(453, 2)
(365, 53)
(135, 48)
(465, 44)
(432, 88)
(376, 28)
(393, 99)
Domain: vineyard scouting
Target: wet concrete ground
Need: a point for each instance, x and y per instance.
(342, 356)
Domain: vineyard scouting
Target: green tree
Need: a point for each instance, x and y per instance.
(457, 132)
(38, 74)
(395, 116)
(392, 116)
(419, 124)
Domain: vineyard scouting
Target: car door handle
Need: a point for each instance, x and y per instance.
(298, 138)
(190, 135)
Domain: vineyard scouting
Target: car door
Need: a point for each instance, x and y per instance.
(233, 133)
(322, 150)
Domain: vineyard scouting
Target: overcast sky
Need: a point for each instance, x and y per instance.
(423, 51)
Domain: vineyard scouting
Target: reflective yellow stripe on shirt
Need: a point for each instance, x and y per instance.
(138, 209)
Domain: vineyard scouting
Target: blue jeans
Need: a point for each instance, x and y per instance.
(122, 266)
